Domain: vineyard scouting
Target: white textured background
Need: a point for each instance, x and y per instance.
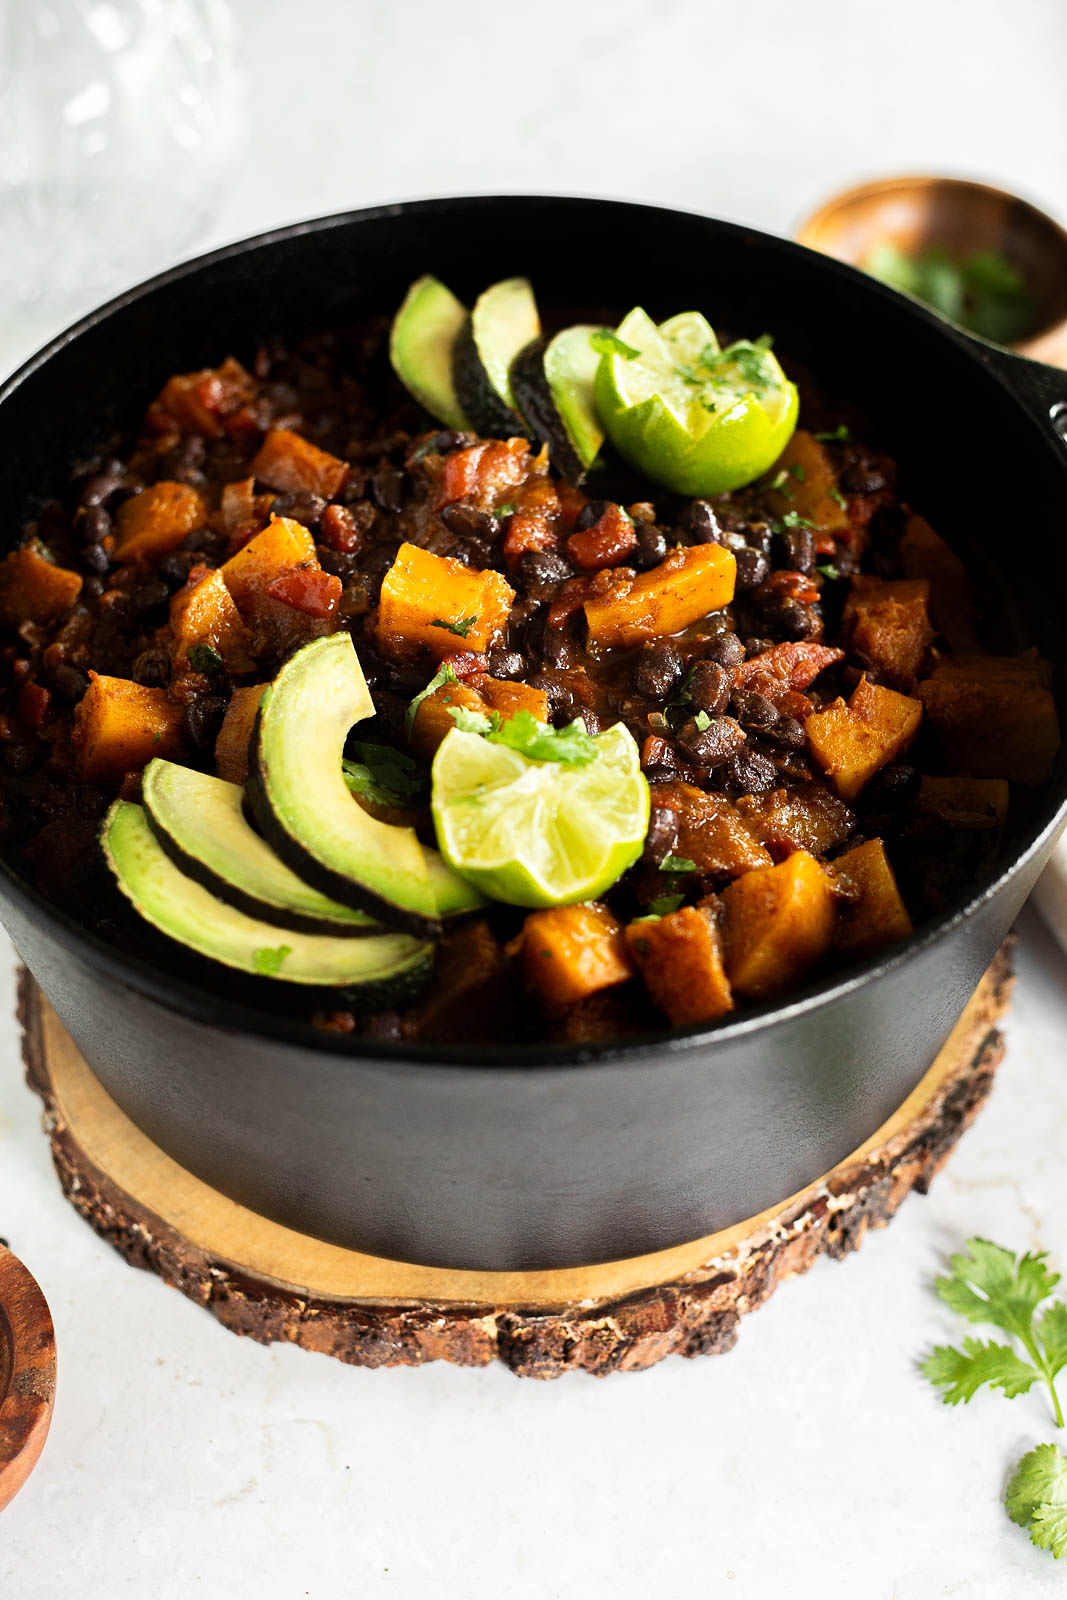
(812, 1461)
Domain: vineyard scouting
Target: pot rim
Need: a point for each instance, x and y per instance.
(194, 1001)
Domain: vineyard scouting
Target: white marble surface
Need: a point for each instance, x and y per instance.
(812, 1461)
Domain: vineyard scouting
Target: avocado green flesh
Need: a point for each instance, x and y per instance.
(185, 911)
(503, 320)
(200, 820)
(553, 384)
(421, 342)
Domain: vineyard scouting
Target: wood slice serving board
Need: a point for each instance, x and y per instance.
(27, 1374)
(271, 1283)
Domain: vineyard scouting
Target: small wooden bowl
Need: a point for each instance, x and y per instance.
(961, 216)
(27, 1374)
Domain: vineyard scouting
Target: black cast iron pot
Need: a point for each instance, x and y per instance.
(542, 1157)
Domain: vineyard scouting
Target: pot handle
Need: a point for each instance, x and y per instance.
(1041, 388)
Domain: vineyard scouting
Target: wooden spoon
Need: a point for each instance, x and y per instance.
(27, 1374)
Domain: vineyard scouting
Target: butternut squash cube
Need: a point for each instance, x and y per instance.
(888, 624)
(711, 832)
(810, 490)
(778, 923)
(924, 554)
(963, 802)
(282, 546)
(434, 721)
(34, 589)
(120, 725)
(203, 613)
(852, 742)
(157, 520)
(506, 697)
(878, 917)
(422, 594)
(808, 818)
(687, 585)
(235, 735)
(680, 960)
(570, 952)
(291, 463)
(995, 716)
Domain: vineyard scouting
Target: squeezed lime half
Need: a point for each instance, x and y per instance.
(700, 419)
(539, 833)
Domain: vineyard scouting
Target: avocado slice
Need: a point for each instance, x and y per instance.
(503, 320)
(552, 381)
(421, 341)
(305, 812)
(199, 820)
(384, 969)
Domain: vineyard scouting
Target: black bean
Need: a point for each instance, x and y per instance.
(303, 507)
(710, 684)
(754, 710)
(467, 522)
(147, 596)
(341, 564)
(660, 772)
(711, 745)
(797, 546)
(558, 649)
(592, 721)
(17, 758)
(92, 588)
(555, 687)
(94, 525)
(727, 650)
(662, 835)
(69, 682)
(542, 572)
(450, 439)
(759, 537)
(506, 664)
(893, 787)
(797, 621)
(102, 485)
(176, 567)
(750, 773)
(651, 546)
(387, 487)
(861, 479)
(152, 668)
(183, 464)
(96, 558)
(752, 568)
(703, 523)
(590, 514)
(756, 646)
(375, 565)
(657, 670)
(203, 718)
(787, 732)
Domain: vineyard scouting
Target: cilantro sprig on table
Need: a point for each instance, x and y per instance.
(992, 1287)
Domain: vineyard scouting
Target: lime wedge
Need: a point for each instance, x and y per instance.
(700, 419)
(539, 833)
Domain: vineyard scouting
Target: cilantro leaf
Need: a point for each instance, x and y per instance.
(446, 674)
(838, 498)
(204, 658)
(468, 721)
(379, 774)
(992, 1285)
(607, 343)
(540, 742)
(1036, 1498)
(793, 519)
(838, 435)
(702, 720)
(961, 1373)
(268, 961)
(677, 864)
(665, 904)
(1052, 1336)
(461, 628)
(505, 510)
(828, 570)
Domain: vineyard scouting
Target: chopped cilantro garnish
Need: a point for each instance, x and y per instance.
(205, 658)
(797, 471)
(779, 482)
(835, 494)
(666, 904)
(445, 675)
(380, 774)
(462, 627)
(793, 519)
(474, 721)
(536, 740)
(268, 961)
(828, 570)
(838, 435)
(677, 864)
(506, 510)
(607, 343)
(702, 720)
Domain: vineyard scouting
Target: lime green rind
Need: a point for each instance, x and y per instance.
(539, 833)
(184, 911)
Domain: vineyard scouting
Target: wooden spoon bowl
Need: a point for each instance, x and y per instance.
(961, 217)
(27, 1374)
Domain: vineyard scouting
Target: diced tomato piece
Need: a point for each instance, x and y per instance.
(503, 465)
(791, 586)
(307, 589)
(339, 529)
(527, 532)
(31, 708)
(571, 597)
(606, 543)
(459, 476)
(466, 664)
(656, 752)
(794, 665)
(572, 502)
